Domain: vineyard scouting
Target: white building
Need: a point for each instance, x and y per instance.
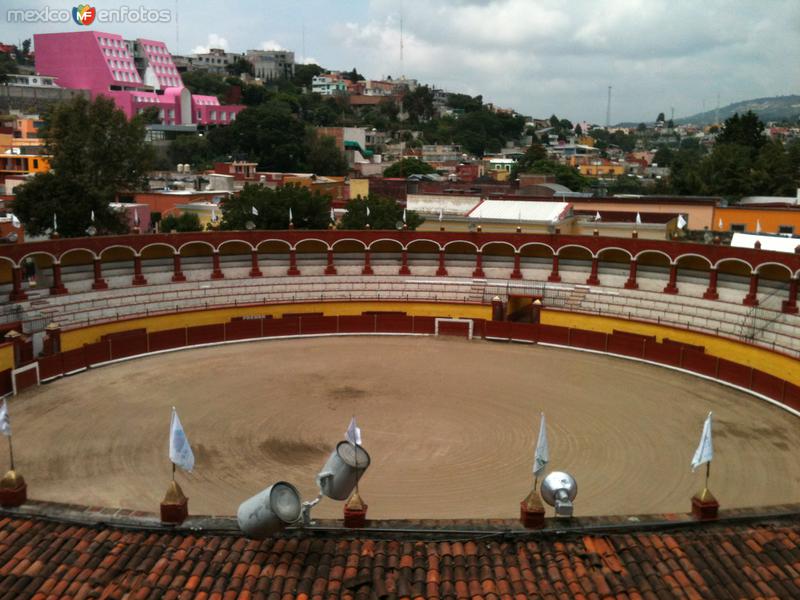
(272, 64)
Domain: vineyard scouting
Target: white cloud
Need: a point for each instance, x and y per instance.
(271, 45)
(214, 41)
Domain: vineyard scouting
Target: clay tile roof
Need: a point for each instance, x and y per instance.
(45, 559)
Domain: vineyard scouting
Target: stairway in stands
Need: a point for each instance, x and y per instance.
(576, 297)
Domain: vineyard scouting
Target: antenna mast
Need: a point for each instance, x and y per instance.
(608, 109)
(402, 68)
(303, 59)
(177, 31)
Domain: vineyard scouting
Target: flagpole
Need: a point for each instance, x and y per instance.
(11, 452)
(355, 447)
(708, 472)
(173, 472)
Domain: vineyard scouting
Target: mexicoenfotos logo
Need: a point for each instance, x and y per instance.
(84, 14)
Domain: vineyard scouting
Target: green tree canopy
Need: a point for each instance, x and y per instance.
(95, 153)
(324, 156)
(183, 223)
(565, 175)
(408, 166)
(535, 153)
(192, 149)
(310, 210)
(745, 130)
(384, 213)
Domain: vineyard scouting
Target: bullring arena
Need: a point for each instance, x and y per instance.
(446, 346)
(450, 425)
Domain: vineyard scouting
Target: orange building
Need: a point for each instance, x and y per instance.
(758, 219)
(22, 164)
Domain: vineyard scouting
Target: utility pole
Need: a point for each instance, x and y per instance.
(608, 109)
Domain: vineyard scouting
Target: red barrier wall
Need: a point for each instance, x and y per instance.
(167, 339)
(528, 332)
(243, 330)
(700, 362)
(131, 345)
(280, 327)
(498, 330)
(394, 324)
(424, 325)
(5, 382)
(582, 338)
(627, 345)
(25, 380)
(733, 373)
(73, 360)
(666, 354)
(50, 366)
(767, 384)
(97, 352)
(205, 334)
(317, 325)
(357, 324)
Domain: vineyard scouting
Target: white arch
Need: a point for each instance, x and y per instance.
(461, 242)
(777, 264)
(204, 243)
(548, 246)
(170, 246)
(304, 240)
(266, 241)
(653, 251)
(731, 259)
(435, 243)
(248, 244)
(65, 253)
(558, 253)
(104, 250)
(501, 242)
(692, 254)
(356, 240)
(398, 242)
(630, 256)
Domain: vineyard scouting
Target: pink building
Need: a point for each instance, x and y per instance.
(136, 74)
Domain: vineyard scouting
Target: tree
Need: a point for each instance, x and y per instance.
(384, 213)
(408, 166)
(660, 118)
(641, 127)
(324, 156)
(192, 149)
(745, 130)
(578, 130)
(239, 66)
(773, 172)
(303, 74)
(535, 153)
(419, 103)
(7, 67)
(664, 156)
(465, 102)
(185, 222)
(310, 210)
(95, 154)
(565, 175)
(205, 83)
(151, 116)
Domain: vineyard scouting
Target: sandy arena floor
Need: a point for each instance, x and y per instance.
(451, 427)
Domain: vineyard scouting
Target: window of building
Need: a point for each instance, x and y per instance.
(35, 163)
(786, 229)
(740, 227)
(171, 113)
(213, 115)
(223, 115)
(199, 115)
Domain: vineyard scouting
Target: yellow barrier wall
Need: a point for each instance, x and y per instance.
(773, 363)
(6, 356)
(89, 335)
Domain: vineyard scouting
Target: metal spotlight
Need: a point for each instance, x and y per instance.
(270, 511)
(250, 225)
(345, 466)
(91, 230)
(559, 490)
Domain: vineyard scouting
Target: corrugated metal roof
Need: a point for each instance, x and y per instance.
(517, 210)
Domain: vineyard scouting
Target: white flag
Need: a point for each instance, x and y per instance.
(91, 216)
(353, 433)
(368, 211)
(333, 216)
(290, 214)
(638, 219)
(55, 222)
(542, 456)
(214, 215)
(597, 216)
(440, 215)
(136, 216)
(5, 422)
(180, 452)
(758, 225)
(705, 451)
(254, 210)
(404, 215)
(720, 222)
(15, 222)
(681, 222)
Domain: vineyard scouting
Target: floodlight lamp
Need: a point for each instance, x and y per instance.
(559, 490)
(250, 225)
(270, 511)
(340, 474)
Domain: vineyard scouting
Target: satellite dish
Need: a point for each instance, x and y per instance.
(559, 490)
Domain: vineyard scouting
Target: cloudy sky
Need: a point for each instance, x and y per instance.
(537, 56)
